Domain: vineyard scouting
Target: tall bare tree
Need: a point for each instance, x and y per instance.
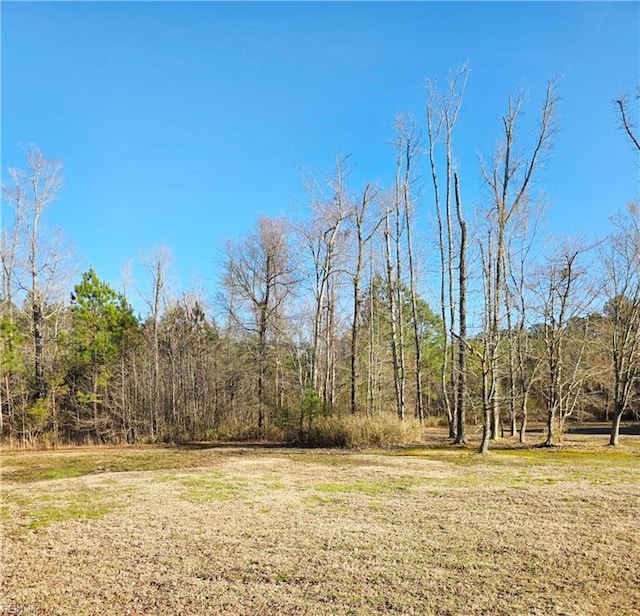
(393, 267)
(259, 276)
(509, 179)
(566, 296)
(442, 116)
(364, 234)
(32, 291)
(408, 148)
(461, 389)
(32, 191)
(156, 265)
(621, 259)
(323, 240)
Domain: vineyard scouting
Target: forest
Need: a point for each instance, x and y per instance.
(322, 325)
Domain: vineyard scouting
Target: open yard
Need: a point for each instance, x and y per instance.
(261, 530)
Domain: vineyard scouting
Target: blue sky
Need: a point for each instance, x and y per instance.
(179, 123)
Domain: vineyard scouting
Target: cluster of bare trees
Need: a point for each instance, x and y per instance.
(326, 314)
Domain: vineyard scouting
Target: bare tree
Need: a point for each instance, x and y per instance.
(324, 240)
(408, 148)
(461, 390)
(509, 179)
(566, 296)
(364, 234)
(442, 117)
(258, 278)
(33, 277)
(621, 259)
(392, 231)
(524, 360)
(156, 265)
(10, 237)
(30, 194)
(373, 338)
(488, 390)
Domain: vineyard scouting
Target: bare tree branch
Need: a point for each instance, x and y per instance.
(622, 104)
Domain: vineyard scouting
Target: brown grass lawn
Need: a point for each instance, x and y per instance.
(251, 530)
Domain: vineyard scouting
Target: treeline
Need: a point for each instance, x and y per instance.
(325, 317)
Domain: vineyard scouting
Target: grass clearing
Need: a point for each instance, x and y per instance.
(247, 530)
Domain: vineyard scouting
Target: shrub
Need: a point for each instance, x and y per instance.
(356, 432)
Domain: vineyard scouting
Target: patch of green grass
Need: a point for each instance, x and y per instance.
(326, 500)
(209, 495)
(555, 455)
(59, 513)
(65, 473)
(48, 508)
(209, 487)
(23, 502)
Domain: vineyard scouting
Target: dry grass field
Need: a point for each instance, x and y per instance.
(259, 530)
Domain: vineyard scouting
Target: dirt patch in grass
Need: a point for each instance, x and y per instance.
(251, 531)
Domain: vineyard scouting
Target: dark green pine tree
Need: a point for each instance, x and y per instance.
(103, 325)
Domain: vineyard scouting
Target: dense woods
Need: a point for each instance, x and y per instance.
(335, 315)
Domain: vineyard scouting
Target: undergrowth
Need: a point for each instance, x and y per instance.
(356, 432)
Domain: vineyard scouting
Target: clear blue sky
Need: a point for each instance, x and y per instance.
(179, 123)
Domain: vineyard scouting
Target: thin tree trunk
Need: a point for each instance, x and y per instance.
(523, 421)
(512, 368)
(393, 321)
(487, 358)
(486, 424)
(402, 376)
(354, 344)
(372, 340)
(262, 349)
(413, 275)
(359, 215)
(38, 345)
(461, 437)
(453, 378)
